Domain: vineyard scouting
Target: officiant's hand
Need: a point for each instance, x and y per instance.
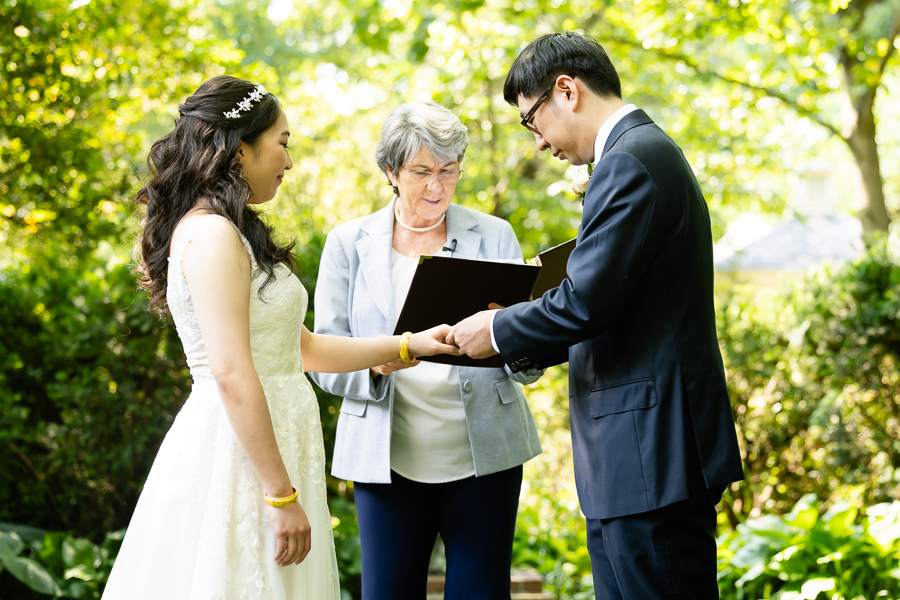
(394, 365)
(292, 533)
(473, 335)
(389, 367)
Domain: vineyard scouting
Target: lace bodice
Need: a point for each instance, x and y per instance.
(275, 319)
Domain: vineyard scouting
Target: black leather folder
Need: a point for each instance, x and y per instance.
(553, 268)
(447, 290)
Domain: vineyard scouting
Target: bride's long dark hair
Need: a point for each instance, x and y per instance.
(197, 162)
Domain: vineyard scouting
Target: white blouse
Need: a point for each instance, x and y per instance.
(429, 436)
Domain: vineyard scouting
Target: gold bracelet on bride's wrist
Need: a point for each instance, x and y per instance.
(404, 348)
(280, 502)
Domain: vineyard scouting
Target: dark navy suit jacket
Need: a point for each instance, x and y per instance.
(650, 414)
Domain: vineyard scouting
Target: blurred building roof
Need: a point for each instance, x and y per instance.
(817, 233)
(799, 243)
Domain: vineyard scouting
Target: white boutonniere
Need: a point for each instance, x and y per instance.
(580, 181)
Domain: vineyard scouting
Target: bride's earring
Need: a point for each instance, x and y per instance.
(240, 165)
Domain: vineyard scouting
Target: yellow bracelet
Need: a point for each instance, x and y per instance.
(280, 502)
(404, 348)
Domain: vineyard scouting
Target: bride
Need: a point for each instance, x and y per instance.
(235, 504)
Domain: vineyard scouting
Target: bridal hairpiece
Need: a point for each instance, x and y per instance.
(258, 93)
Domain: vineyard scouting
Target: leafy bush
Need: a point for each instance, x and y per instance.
(550, 530)
(347, 546)
(803, 556)
(814, 375)
(89, 384)
(55, 564)
(555, 543)
(38, 562)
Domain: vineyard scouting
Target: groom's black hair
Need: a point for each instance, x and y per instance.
(555, 54)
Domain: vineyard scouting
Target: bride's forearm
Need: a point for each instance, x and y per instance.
(338, 354)
(248, 412)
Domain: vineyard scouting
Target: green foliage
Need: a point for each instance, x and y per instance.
(74, 85)
(814, 378)
(88, 380)
(347, 546)
(730, 94)
(550, 530)
(55, 564)
(803, 556)
(813, 373)
(89, 383)
(552, 538)
(749, 61)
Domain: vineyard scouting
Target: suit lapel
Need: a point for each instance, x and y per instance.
(374, 252)
(630, 121)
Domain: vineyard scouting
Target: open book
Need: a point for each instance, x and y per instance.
(447, 290)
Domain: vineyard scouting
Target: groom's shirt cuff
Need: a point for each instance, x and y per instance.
(493, 340)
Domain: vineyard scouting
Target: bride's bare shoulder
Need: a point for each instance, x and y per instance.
(216, 238)
(212, 229)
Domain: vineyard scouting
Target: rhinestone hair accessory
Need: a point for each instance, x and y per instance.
(258, 93)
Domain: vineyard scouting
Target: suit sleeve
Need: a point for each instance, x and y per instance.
(509, 248)
(332, 317)
(621, 231)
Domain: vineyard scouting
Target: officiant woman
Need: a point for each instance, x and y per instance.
(431, 449)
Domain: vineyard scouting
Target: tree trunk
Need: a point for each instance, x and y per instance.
(859, 133)
(871, 207)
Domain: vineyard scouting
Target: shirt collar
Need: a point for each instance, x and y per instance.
(607, 128)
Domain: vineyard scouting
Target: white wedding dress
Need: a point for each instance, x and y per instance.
(200, 529)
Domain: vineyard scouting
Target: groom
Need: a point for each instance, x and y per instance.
(652, 431)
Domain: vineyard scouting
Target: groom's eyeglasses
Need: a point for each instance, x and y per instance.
(526, 120)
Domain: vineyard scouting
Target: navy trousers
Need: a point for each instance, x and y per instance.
(666, 553)
(399, 523)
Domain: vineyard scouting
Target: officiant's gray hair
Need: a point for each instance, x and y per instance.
(416, 125)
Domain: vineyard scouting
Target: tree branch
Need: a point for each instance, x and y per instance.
(38, 476)
(887, 55)
(865, 103)
(594, 18)
(774, 93)
(860, 6)
(11, 172)
(14, 220)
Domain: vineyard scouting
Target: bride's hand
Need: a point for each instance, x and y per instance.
(292, 533)
(431, 342)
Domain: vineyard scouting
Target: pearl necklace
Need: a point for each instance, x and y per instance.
(416, 229)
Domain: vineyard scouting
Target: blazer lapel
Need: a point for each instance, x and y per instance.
(374, 252)
(459, 226)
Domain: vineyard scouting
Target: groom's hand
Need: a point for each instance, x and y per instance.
(473, 335)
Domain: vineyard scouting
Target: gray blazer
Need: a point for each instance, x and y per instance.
(355, 297)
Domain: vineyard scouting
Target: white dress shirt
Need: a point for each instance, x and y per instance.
(599, 142)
